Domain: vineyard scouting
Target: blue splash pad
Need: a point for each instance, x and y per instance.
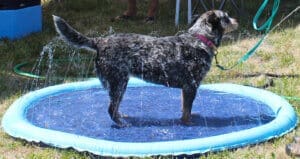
(75, 115)
(153, 114)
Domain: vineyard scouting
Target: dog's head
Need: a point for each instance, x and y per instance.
(212, 23)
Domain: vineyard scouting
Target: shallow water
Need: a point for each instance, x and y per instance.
(153, 114)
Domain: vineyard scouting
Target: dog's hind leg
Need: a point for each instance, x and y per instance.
(188, 95)
(116, 90)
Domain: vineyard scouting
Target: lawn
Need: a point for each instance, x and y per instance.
(279, 54)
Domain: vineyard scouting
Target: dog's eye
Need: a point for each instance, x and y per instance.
(226, 20)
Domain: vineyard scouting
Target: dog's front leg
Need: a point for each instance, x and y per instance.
(188, 94)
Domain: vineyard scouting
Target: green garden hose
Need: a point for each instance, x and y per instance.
(17, 69)
(291, 98)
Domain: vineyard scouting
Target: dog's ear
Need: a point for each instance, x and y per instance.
(213, 19)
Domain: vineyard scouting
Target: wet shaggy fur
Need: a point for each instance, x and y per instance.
(174, 61)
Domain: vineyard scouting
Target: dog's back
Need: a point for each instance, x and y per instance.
(171, 61)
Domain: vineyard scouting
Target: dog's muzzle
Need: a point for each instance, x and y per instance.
(233, 25)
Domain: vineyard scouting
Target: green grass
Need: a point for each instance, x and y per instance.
(279, 54)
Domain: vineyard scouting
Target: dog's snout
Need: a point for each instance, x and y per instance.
(233, 21)
(231, 25)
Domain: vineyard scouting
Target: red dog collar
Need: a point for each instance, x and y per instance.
(206, 41)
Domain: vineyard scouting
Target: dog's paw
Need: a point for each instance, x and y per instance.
(121, 125)
(120, 121)
(123, 115)
(186, 121)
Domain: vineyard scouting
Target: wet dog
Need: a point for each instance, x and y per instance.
(180, 61)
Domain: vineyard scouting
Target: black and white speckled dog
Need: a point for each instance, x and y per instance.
(174, 61)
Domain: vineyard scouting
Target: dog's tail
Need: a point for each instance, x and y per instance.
(72, 36)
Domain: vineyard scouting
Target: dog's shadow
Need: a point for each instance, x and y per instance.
(198, 120)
